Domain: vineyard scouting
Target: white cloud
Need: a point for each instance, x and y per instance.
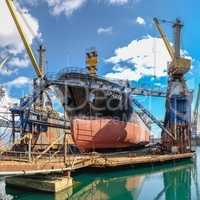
(119, 2)
(19, 82)
(125, 74)
(68, 7)
(148, 57)
(140, 21)
(6, 102)
(9, 36)
(12, 63)
(6, 71)
(117, 68)
(65, 6)
(19, 62)
(107, 30)
(10, 41)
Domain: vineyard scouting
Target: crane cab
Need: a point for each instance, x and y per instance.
(179, 66)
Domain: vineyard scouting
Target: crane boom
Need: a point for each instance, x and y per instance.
(179, 65)
(164, 37)
(29, 50)
(3, 62)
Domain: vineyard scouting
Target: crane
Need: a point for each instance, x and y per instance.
(37, 67)
(164, 37)
(179, 64)
(178, 99)
(4, 61)
(40, 84)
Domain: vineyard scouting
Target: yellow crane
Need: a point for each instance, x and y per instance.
(179, 65)
(12, 9)
(164, 37)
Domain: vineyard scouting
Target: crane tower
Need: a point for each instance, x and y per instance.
(178, 103)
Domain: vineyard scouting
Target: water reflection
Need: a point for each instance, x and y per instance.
(124, 187)
(170, 182)
(177, 185)
(167, 182)
(3, 195)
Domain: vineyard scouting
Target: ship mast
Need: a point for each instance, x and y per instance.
(91, 62)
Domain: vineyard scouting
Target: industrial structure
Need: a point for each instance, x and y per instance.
(46, 142)
(178, 103)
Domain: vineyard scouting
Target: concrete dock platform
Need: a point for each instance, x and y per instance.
(41, 175)
(44, 183)
(130, 159)
(76, 162)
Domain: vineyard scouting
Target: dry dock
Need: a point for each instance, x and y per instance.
(39, 138)
(73, 163)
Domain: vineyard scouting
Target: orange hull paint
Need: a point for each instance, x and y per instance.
(90, 134)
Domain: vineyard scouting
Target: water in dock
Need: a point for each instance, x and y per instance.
(170, 181)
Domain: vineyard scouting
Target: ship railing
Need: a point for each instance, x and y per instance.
(77, 70)
(122, 82)
(71, 70)
(66, 71)
(73, 161)
(14, 156)
(24, 156)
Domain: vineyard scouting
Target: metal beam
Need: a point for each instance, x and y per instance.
(4, 61)
(133, 90)
(148, 92)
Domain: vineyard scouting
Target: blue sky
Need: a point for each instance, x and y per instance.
(68, 28)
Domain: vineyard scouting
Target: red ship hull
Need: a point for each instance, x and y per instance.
(91, 134)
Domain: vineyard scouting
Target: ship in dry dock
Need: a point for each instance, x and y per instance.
(100, 110)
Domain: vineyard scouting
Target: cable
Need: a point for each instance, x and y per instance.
(154, 50)
(155, 56)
